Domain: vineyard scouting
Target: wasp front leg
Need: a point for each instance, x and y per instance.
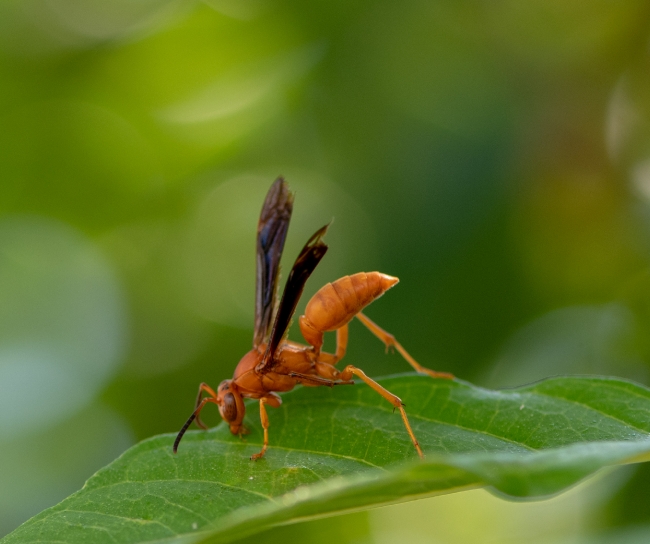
(272, 400)
(203, 387)
(265, 425)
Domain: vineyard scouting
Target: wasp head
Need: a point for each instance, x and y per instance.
(231, 405)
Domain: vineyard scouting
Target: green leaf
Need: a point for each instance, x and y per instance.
(340, 450)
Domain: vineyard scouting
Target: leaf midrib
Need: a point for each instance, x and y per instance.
(413, 417)
(524, 394)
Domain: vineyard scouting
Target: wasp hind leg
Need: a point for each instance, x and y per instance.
(389, 340)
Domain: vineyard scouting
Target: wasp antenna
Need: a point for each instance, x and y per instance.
(182, 431)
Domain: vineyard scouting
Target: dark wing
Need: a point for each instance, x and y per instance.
(305, 264)
(271, 233)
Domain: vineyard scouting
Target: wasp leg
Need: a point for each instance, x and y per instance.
(390, 341)
(203, 387)
(265, 425)
(341, 348)
(341, 342)
(195, 415)
(350, 370)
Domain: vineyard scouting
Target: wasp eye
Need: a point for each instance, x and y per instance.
(229, 407)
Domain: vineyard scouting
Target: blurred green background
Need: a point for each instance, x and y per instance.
(495, 156)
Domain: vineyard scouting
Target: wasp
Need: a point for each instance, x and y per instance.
(276, 364)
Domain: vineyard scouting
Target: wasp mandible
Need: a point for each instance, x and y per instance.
(276, 364)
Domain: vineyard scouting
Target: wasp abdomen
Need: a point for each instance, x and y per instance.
(336, 303)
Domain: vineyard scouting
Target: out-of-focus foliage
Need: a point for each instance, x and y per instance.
(493, 155)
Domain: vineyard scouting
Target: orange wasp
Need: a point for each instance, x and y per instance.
(276, 364)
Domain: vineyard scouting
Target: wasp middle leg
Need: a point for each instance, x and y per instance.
(393, 399)
(331, 373)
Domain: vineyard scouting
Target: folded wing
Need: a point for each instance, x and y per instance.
(271, 234)
(305, 264)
